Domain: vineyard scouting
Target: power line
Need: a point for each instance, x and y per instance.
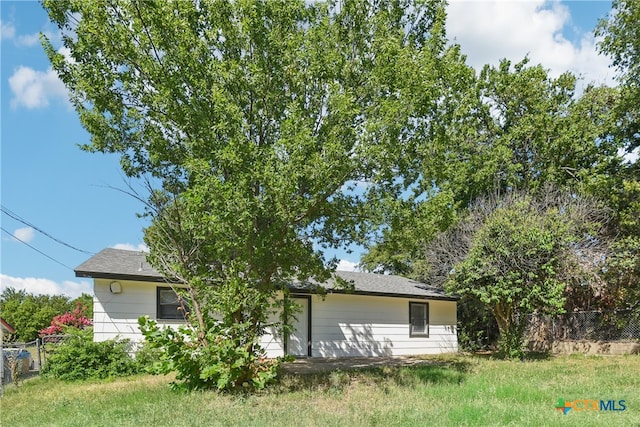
(15, 216)
(36, 249)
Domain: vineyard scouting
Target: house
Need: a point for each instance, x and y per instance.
(6, 328)
(382, 315)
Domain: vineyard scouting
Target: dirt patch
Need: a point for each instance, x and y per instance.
(310, 365)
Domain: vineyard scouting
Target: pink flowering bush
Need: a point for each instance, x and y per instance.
(75, 319)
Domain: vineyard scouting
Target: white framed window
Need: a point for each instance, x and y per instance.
(170, 306)
(418, 319)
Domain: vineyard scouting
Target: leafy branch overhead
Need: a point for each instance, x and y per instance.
(254, 118)
(255, 122)
(513, 129)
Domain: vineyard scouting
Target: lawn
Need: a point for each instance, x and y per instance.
(454, 391)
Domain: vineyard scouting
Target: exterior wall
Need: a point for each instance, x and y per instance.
(116, 315)
(341, 325)
(271, 341)
(359, 325)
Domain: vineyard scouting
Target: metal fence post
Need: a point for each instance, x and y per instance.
(38, 348)
(1, 362)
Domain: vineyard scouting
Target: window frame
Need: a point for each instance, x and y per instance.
(425, 305)
(159, 305)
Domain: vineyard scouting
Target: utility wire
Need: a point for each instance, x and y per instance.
(36, 249)
(15, 216)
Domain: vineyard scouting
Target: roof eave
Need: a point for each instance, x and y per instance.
(379, 294)
(156, 278)
(116, 276)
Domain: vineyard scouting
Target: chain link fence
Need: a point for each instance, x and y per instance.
(25, 359)
(585, 325)
(20, 360)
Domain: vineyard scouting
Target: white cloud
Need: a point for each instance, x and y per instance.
(490, 30)
(346, 265)
(7, 30)
(25, 234)
(28, 39)
(35, 89)
(141, 247)
(40, 286)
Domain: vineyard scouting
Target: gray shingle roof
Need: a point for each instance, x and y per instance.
(131, 265)
(119, 264)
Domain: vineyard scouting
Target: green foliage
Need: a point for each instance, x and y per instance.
(511, 341)
(519, 253)
(623, 273)
(513, 235)
(223, 364)
(256, 120)
(29, 313)
(75, 319)
(146, 356)
(620, 39)
(477, 327)
(78, 357)
(513, 127)
(86, 302)
(224, 354)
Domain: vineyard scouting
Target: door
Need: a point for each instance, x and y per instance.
(298, 342)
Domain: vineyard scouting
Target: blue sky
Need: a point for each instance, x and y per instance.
(54, 187)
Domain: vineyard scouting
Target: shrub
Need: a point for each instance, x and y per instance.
(147, 357)
(225, 364)
(79, 358)
(75, 319)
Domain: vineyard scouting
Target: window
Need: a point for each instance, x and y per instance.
(169, 305)
(418, 319)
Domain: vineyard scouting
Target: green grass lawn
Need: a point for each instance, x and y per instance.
(458, 391)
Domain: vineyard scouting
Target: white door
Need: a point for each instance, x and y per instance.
(298, 342)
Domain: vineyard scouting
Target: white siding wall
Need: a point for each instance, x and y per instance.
(342, 325)
(358, 325)
(272, 342)
(116, 315)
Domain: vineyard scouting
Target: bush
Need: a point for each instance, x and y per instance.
(477, 328)
(147, 357)
(74, 319)
(79, 358)
(223, 363)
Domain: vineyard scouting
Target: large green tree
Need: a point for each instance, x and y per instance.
(510, 127)
(256, 120)
(519, 253)
(620, 39)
